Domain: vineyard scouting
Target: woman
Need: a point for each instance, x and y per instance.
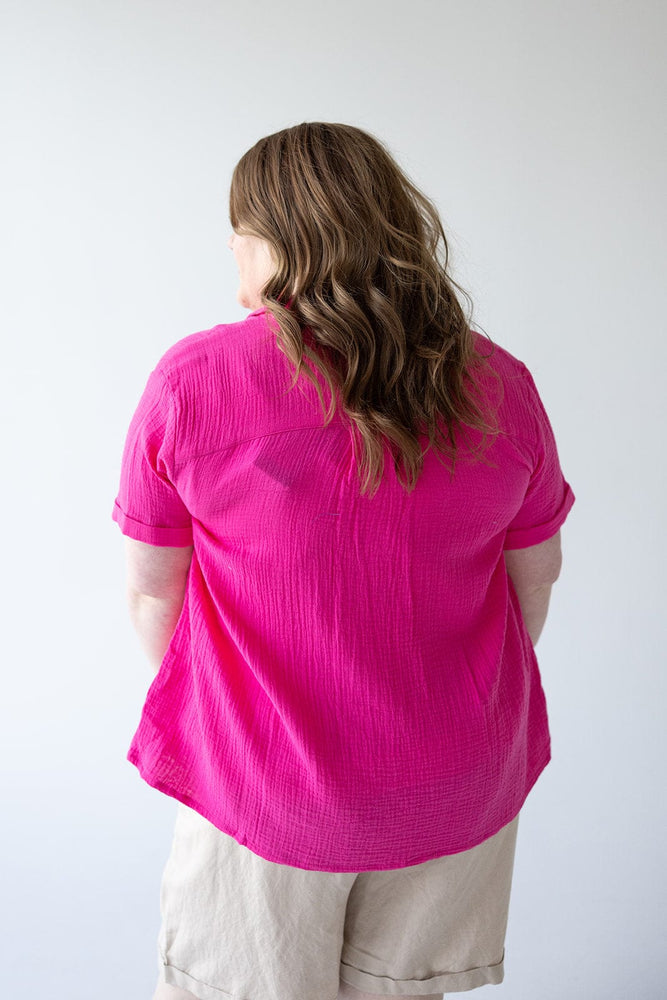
(343, 517)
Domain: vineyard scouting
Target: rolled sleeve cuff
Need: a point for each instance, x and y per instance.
(523, 538)
(150, 533)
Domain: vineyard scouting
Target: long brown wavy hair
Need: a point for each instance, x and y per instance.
(361, 289)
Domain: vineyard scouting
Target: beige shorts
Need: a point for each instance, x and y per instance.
(236, 925)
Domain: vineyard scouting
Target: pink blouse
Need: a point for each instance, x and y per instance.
(350, 685)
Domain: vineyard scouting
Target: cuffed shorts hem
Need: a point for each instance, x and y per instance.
(176, 977)
(447, 982)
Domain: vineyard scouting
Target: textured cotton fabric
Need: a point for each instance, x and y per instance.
(350, 685)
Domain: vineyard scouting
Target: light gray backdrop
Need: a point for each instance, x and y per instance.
(535, 127)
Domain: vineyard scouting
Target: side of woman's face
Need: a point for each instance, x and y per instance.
(255, 263)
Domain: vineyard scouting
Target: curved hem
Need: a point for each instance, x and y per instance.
(134, 757)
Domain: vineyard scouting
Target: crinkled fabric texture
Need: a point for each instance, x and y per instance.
(350, 685)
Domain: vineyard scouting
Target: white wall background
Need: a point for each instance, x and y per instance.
(535, 126)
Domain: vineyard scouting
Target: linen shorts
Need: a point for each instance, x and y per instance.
(237, 925)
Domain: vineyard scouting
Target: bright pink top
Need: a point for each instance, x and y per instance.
(350, 685)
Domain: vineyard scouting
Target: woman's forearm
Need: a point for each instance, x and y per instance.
(533, 571)
(154, 620)
(534, 604)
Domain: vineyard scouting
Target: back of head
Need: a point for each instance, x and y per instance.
(361, 289)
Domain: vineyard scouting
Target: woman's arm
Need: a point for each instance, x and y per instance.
(533, 571)
(154, 620)
(156, 581)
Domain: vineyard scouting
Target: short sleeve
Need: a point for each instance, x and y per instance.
(549, 497)
(148, 507)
